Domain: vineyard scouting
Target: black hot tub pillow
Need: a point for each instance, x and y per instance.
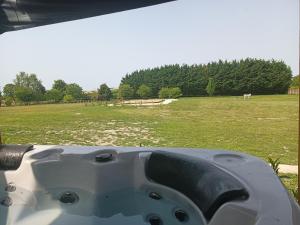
(11, 156)
(205, 184)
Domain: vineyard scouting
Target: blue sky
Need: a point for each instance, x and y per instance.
(103, 49)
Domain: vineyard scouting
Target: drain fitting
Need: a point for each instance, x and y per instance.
(69, 197)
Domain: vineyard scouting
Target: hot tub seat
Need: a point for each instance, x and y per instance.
(207, 185)
(11, 156)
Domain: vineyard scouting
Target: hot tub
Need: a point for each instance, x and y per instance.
(140, 186)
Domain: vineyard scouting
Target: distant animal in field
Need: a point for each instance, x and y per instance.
(246, 96)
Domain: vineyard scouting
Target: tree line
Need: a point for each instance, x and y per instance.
(27, 88)
(235, 77)
(253, 76)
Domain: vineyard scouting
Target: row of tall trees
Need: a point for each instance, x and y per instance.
(253, 76)
(235, 77)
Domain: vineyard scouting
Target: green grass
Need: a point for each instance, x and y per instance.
(290, 182)
(264, 126)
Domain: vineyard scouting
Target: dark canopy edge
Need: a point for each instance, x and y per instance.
(22, 14)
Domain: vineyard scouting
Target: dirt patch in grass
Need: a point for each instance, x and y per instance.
(111, 133)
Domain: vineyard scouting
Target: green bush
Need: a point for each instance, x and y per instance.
(8, 101)
(126, 91)
(24, 94)
(115, 93)
(68, 98)
(54, 95)
(74, 90)
(170, 92)
(144, 91)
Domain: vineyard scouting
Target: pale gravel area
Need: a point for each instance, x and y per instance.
(283, 168)
(168, 101)
(149, 102)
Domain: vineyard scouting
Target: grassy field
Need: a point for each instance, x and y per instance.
(264, 126)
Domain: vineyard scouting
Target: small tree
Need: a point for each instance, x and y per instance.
(9, 90)
(126, 91)
(170, 92)
(104, 93)
(144, 91)
(211, 86)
